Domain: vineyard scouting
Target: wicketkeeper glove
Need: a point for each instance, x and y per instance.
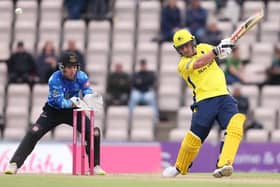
(78, 102)
(94, 101)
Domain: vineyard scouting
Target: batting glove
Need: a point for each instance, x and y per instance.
(224, 49)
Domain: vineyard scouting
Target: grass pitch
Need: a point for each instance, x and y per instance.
(141, 180)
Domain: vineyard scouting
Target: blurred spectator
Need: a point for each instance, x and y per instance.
(170, 20)
(118, 86)
(101, 9)
(46, 62)
(243, 107)
(75, 8)
(143, 84)
(196, 17)
(73, 48)
(242, 101)
(273, 72)
(231, 9)
(213, 34)
(234, 68)
(219, 5)
(21, 66)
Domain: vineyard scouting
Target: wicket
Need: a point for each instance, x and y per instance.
(82, 140)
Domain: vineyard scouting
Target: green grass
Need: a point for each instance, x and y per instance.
(141, 180)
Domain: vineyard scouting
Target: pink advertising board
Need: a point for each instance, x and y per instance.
(115, 158)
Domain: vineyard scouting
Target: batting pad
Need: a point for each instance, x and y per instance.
(189, 149)
(232, 140)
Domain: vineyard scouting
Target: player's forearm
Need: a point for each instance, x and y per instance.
(61, 102)
(203, 60)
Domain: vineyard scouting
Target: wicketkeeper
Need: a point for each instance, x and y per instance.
(65, 85)
(212, 101)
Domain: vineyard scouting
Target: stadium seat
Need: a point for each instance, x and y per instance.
(125, 11)
(123, 54)
(257, 135)
(25, 28)
(30, 9)
(124, 35)
(275, 136)
(273, 9)
(97, 72)
(169, 79)
(99, 34)
(5, 37)
(39, 98)
(252, 92)
(252, 7)
(97, 66)
(51, 11)
(169, 58)
(3, 73)
(226, 27)
(270, 96)
(17, 113)
(266, 116)
(117, 123)
(210, 7)
(2, 97)
(255, 73)
(142, 124)
(97, 55)
(169, 92)
(270, 32)
(6, 11)
(25, 31)
(149, 19)
(245, 51)
(184, 117)
(49, 31)
(74, 30)
(262, 54)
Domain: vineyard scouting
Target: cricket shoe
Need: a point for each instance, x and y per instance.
(224, 171)
(99, 171)
(11, 169)
(170, 172)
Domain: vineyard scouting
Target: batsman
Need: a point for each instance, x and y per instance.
(65, 86)
(212, 101)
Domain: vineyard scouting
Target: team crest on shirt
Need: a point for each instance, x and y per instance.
(55, 93)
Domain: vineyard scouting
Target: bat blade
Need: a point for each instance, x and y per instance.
(246, 26)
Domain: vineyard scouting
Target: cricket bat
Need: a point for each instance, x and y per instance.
(244, 27)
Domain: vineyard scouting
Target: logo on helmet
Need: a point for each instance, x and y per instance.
(180, 38)
(72, 59)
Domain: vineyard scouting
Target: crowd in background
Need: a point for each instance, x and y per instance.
(138, 88)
